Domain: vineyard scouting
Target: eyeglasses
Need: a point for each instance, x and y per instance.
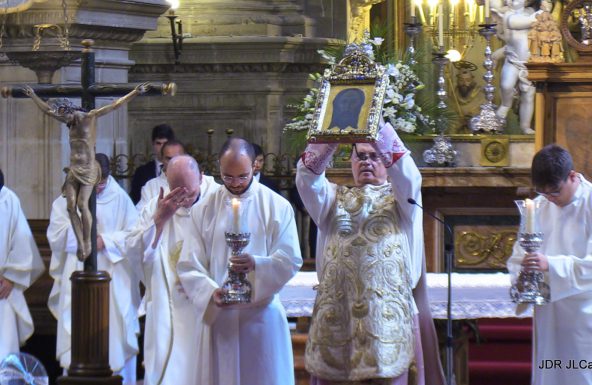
(230, 179)
(365, 155)
(553, 194)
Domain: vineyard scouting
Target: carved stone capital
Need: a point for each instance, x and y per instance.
(108, 22)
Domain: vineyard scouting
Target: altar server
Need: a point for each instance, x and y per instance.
(563, 327)
(171, 337)
(116, 215)
(20, 266)
(250, 343)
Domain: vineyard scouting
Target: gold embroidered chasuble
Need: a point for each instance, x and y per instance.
(363, 315)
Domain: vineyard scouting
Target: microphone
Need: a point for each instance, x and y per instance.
(446, 244)
(449, 256)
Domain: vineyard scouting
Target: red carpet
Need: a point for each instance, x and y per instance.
(503, 356)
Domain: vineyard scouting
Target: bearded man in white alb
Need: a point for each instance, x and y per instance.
(371, 322)
(563, 327)
(116, 216)
(250, 343)
(20, 266)
(171, 337)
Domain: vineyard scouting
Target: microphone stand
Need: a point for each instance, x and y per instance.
(448, 258)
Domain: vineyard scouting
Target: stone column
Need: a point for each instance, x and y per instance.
(33, 147)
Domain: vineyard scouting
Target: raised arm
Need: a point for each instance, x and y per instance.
(406, 181)
(140, 89)
(42, 105)
(316, 192)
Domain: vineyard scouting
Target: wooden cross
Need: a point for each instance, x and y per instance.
(90, 288)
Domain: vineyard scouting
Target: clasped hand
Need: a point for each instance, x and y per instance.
(5, 288)
(242, 263)
(535, 262)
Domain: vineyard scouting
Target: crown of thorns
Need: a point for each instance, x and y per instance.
(63, 106)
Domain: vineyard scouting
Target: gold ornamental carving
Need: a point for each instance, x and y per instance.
(483, 247)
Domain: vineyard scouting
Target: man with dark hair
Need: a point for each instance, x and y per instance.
(160, 135)
(563, 327)
(259, 167)
(116, 216)
(248, 343)
(152, 188)
(20, 266)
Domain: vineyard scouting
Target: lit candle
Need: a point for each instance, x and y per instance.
(487, 11)
(412, 10)
(441, 26)
(235, 215)
(529, 224)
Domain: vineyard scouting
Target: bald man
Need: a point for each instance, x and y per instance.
(152, 188)
(250, 343)
(172, 329)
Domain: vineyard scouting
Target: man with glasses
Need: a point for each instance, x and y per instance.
(116, 216)
(249, 343)
(563, 327)
(371, 321)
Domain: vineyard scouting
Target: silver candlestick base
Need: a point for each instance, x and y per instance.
(530, 287)
(487, 121)
(412, 29)
(442, 153)
(237, 289)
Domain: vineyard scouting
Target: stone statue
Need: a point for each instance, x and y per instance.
(84, 172)
(545, 40)
(516, 22)
(360, 18)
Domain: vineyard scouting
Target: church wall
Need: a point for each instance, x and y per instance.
(34, 148)
(237, 70)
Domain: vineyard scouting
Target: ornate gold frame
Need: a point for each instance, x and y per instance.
(356, 80)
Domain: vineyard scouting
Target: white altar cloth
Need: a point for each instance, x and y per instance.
(473, 295)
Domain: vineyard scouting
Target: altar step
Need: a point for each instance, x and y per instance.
(504, 354)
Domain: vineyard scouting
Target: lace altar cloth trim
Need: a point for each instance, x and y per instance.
(473, 295)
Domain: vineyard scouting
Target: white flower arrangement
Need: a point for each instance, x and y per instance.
(399, 107)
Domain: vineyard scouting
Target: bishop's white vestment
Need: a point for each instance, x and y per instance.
(250, 344)
(371, 318)
(151, 189)
(563, 327)
(171, 335)
(21, 264)
(116, 216)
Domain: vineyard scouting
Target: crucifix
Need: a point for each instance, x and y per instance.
(90, 287)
